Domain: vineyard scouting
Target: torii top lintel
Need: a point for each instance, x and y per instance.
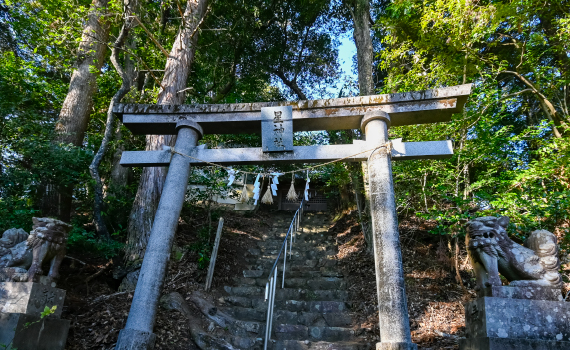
(429, 106)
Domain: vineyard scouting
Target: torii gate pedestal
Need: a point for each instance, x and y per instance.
(187, 124)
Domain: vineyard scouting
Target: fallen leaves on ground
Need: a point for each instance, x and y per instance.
(96, 325)
(435, 301)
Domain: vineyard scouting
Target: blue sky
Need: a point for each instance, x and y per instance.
(346, 52)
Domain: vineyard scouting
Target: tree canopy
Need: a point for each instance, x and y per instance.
(511, 143)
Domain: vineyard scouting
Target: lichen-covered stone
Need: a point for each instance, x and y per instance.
(492, 252)
(18, 256)
(20, 251)
(30, 298)
(13, 274)
(12, 237)
(521, 324)
(24, 331)
(525, 292)
(129, 282)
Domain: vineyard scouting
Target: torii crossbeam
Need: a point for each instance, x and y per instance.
(374, 114)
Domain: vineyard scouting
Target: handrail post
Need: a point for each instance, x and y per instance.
(272, 304)
(295, 226)
(269, 311)
(290, 247)
(284, 262)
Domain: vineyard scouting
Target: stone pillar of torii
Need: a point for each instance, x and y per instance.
(277, 121)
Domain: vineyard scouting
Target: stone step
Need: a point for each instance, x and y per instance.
(303, 231)
(293, 254)
(308, 226)
(297, 250)
(250, 343)
(299, 332)
(309, 319)
(289, 293)
(307, 241)
(292, 263)
(257, 344)
(292, 271)
(259, 304)
(247, 329)
(245, 313)
(266, 246)
(285, 331)
(320, 345)
(310, 312)
(312, 283)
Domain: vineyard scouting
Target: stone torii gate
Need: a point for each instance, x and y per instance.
(374, 114)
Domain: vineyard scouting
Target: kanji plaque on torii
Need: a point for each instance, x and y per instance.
(277, 129)
(373, 114)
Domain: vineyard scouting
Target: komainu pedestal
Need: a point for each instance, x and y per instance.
(21, 325)
(517, 318)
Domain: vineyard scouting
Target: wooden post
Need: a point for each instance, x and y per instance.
(214, 255)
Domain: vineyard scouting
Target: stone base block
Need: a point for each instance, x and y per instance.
(132, 339)
(511, 344)
(517, 319)
(30, 298)
(13, 274)
(27, 332)
(396, 346)
(531, 293)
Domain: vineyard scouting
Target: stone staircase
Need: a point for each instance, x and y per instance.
(310, 312)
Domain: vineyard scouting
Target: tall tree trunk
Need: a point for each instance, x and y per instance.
(75, 111)
(119, 174)
(364, 51)
(152, 179)
(360, 11)
(127, 75)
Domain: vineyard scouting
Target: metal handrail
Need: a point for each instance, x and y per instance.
(271, 285)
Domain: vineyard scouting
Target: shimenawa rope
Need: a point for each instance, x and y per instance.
(387, 145)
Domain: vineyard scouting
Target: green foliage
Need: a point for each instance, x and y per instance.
(48, 311)
(81, 241)
(250, 51)
(208, 184)
(16, 213)
(118, 202)
(507, 160)
(29, 159)
(203, 247)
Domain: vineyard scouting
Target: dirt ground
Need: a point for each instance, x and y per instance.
(98, 312)
(435, 298)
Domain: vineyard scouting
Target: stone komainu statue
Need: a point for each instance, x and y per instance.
(491, 251)
(20, 252)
